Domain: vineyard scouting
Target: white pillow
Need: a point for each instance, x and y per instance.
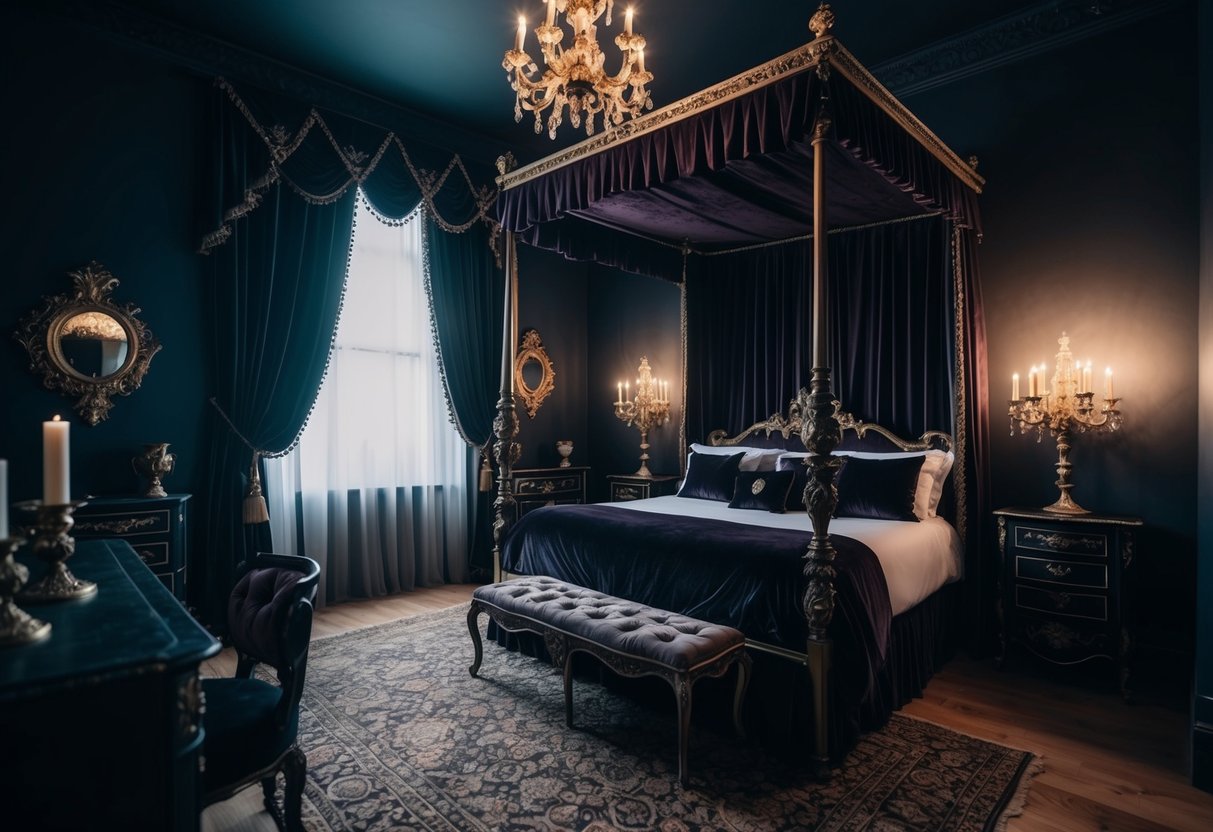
(755, 459)
(935, 469)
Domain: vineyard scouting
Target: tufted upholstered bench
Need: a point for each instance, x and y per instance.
(630, 638)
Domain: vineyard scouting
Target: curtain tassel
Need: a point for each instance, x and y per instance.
(486, 473)
(255, 510)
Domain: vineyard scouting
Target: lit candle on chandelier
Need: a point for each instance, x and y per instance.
(1032, 382)
(521, 33)
(1107, 383)
(627, 21)
(551, 12)
(1014, 387)
(627, 391)
(640, 59)
(1086, 378)
(619, 394)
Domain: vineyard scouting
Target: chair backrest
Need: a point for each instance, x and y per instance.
(269, 619)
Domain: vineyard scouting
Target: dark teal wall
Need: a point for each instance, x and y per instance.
(1090, 218)
(100, 165)
(1202, 767)
(552, 300)
(631, 317)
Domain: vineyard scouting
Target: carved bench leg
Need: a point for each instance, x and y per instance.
(682, 689)
(743, 680)
(474, 628)
(568, 689)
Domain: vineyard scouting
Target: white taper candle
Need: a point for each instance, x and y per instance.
(56, 462)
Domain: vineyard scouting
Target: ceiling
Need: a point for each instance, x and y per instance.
(443, 57)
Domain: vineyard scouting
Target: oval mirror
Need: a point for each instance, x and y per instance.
(92, 344)
(86, 345)
(534, 376)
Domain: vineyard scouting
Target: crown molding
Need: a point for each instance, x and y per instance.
(1023, 34)
(208, 57)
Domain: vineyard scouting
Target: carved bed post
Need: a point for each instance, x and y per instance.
(820, 432)
(505, 425)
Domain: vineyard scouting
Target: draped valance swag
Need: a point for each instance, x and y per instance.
(277, 236)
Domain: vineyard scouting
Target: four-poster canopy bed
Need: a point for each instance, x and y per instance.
(733, 167)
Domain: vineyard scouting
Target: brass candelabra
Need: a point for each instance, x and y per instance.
(648, 409)
(1063, 407)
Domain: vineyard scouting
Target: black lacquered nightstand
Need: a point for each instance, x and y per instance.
(536, 487)
(627, 487)
(1063, 592)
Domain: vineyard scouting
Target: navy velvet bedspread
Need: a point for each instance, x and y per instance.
(748, 577)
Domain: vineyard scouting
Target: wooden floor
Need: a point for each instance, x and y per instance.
(1107, 765)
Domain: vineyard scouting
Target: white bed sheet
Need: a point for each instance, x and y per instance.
(917, 558)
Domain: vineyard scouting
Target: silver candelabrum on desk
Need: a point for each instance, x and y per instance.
(649, 408)
(1063, 407)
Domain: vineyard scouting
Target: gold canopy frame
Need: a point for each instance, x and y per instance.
(819, 424)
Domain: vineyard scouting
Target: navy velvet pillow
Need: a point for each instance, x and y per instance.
(710, 477)
(762, 490)
(800, 478)
(879, 489)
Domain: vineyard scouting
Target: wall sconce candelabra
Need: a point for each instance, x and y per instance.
(648, 409)
(1064, 407)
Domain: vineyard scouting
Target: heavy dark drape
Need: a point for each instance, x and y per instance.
(275, 291)
(467, 289)
(896, 294)
(277, 232)
(735, 173)
(891, 333)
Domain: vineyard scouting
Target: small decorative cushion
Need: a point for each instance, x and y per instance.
(935, 468)
(800, 479)
(710, 477)
(762, 490)
(879, 489)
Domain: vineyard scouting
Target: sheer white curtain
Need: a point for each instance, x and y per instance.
(376, 490)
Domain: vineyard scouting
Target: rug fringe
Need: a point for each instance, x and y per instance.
(1018, 802)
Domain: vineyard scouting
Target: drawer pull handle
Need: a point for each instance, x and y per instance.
(1057, 570)
(147, 556)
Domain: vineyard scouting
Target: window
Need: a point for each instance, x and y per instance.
(377, 487)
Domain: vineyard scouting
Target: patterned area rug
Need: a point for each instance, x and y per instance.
(399, 736)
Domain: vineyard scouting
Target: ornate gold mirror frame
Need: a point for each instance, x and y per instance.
(91, 311)
(532, 350)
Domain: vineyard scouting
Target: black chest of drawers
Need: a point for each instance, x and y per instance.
(154, 526)
(1063, 588)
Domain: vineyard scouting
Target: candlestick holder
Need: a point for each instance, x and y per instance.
(648, 410)
(1063, 410)
(53, 543)
(16, 625)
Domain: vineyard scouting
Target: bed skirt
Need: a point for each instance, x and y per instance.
(778, 704)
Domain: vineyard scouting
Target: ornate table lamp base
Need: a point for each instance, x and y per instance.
(16, 625)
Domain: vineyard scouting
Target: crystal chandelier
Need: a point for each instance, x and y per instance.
(574, 77)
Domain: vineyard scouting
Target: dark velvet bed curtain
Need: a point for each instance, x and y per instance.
(277, 232)
(893, 348)
(749, 329)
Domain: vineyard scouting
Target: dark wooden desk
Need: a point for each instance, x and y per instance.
(100, 723)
